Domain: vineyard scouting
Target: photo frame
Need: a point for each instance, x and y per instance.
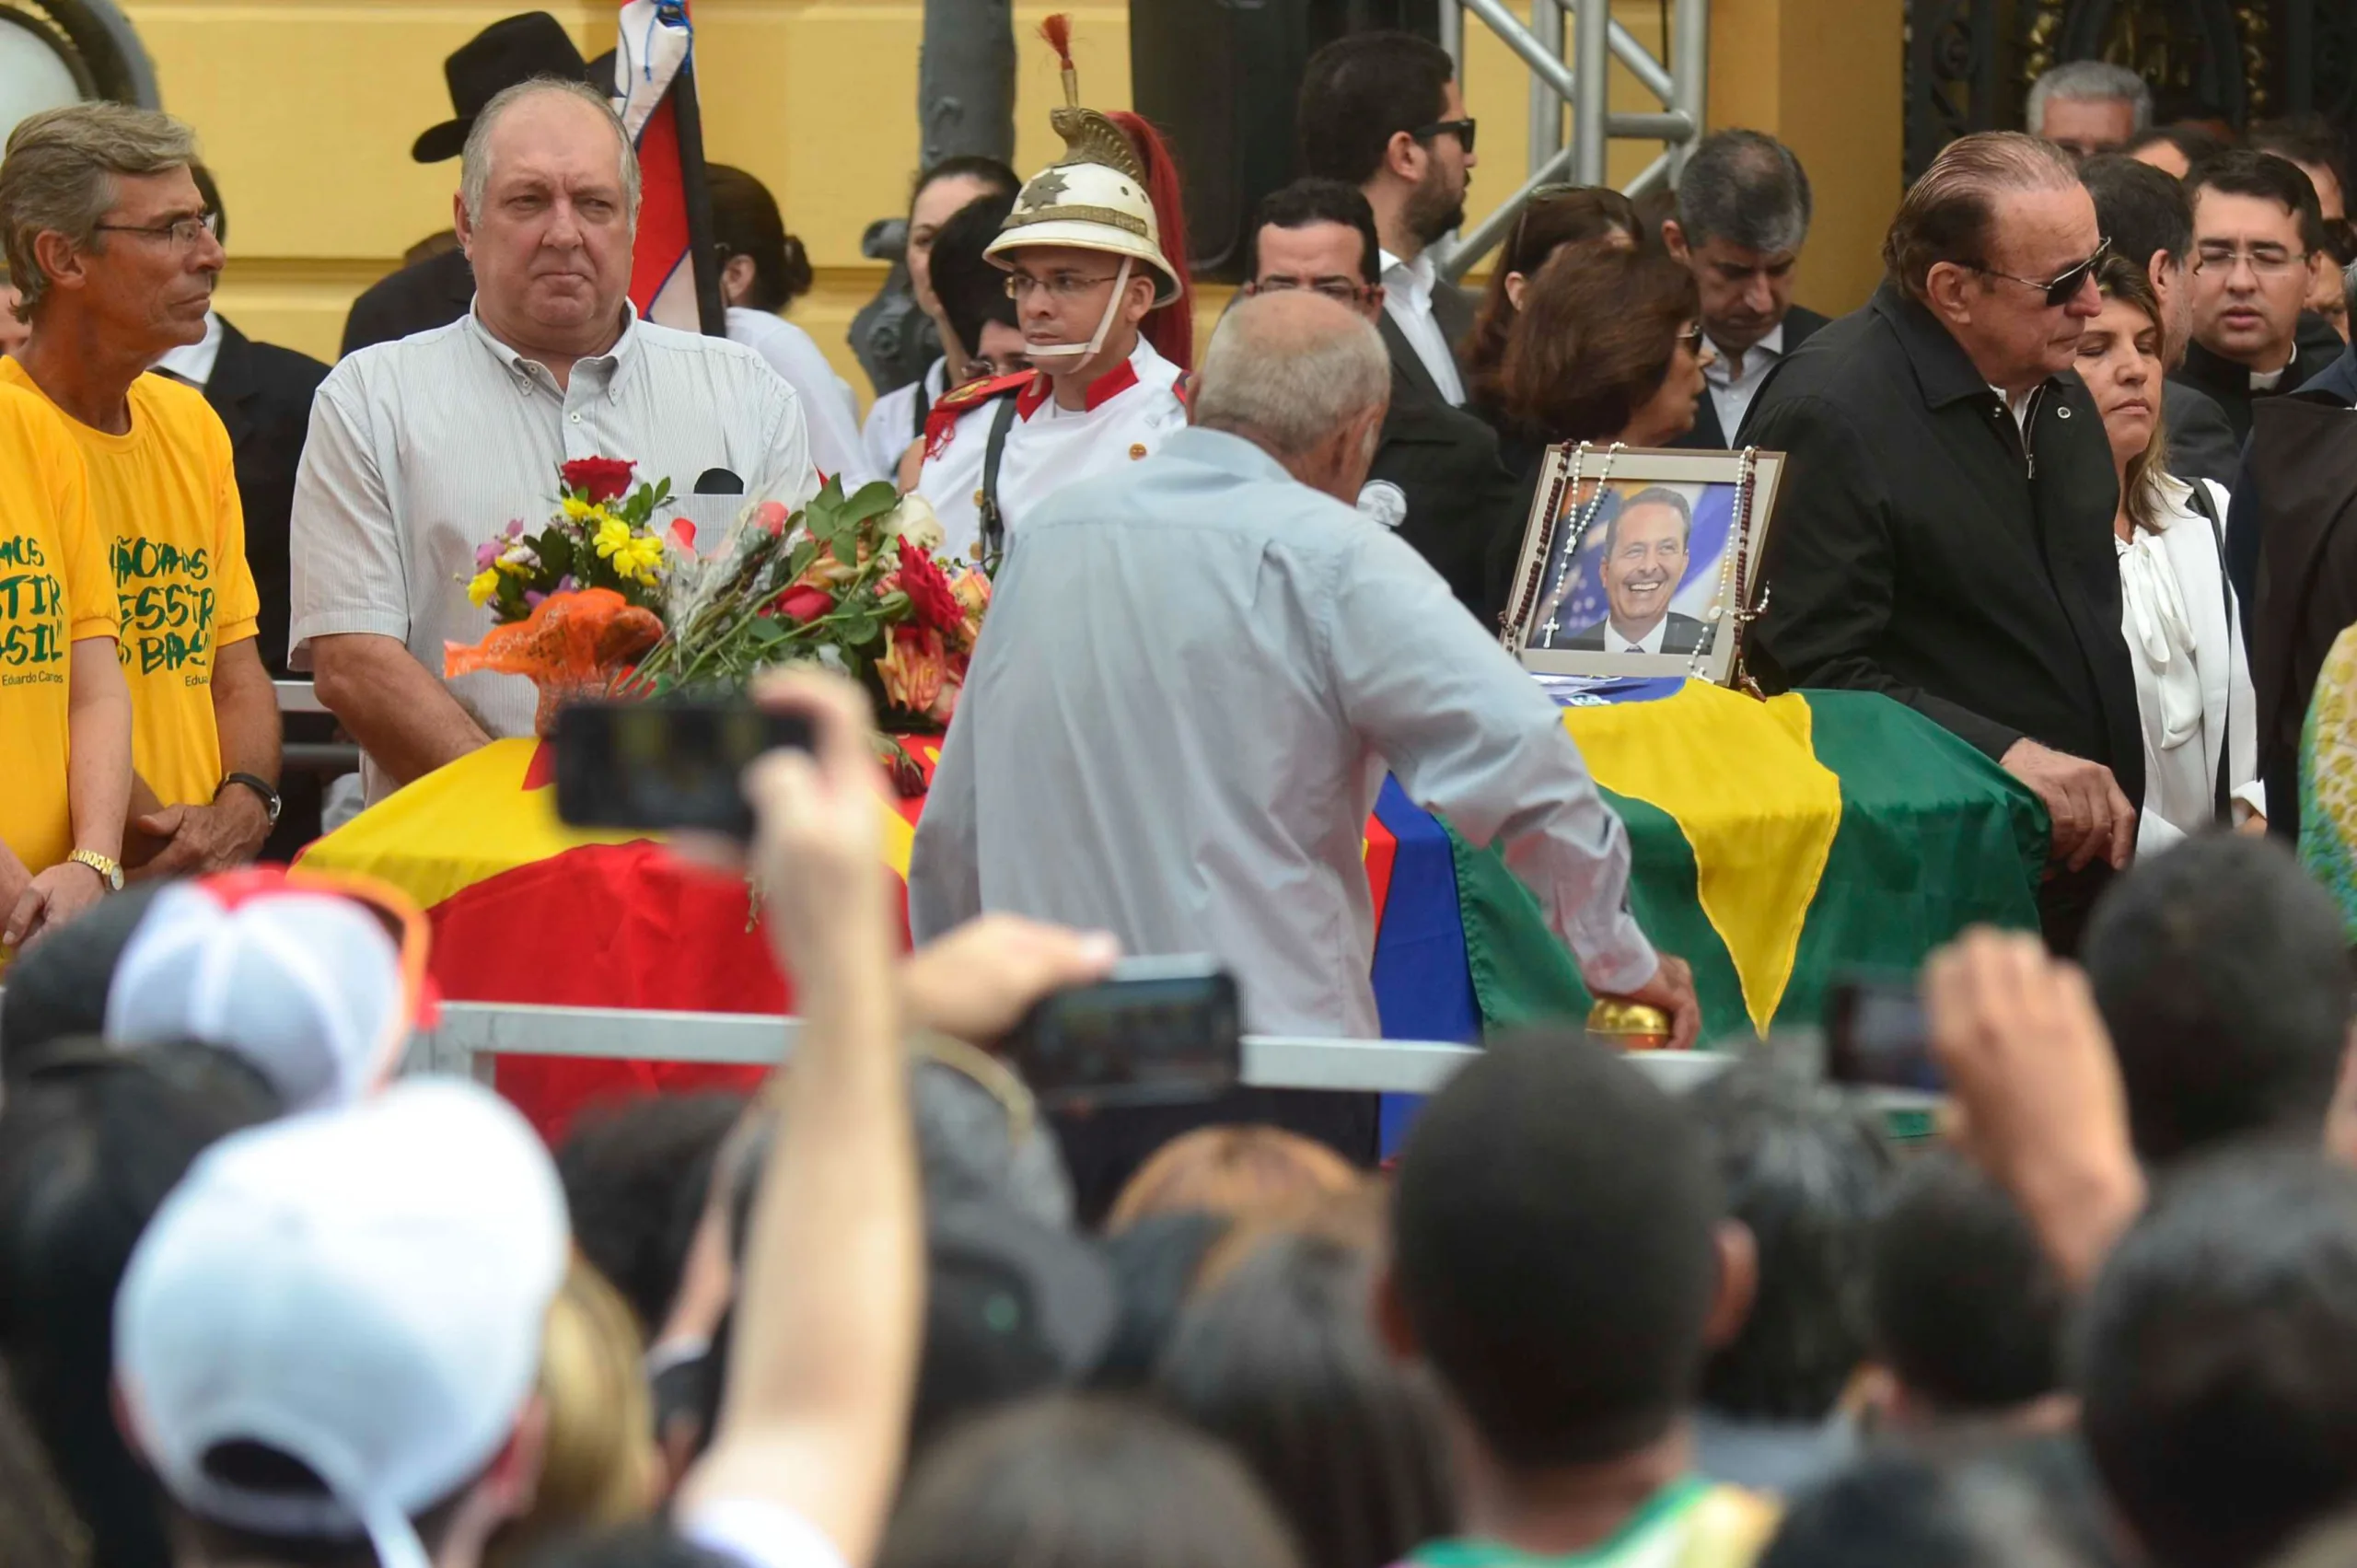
(1642, 562)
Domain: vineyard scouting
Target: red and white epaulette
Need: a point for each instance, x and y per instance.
(941, 419)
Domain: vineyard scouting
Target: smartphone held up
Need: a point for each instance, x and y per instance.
(666, 766)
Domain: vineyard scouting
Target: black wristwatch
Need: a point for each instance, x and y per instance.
(270, 802)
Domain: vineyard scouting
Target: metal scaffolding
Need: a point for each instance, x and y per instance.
(1597, 38)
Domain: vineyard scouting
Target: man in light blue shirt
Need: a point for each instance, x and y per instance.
(1194, 675)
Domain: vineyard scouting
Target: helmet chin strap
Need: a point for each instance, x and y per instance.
(1071, 356)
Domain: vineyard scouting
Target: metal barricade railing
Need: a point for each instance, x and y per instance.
(313, 755)
(1583, 85)
(297, 697)
(469, 1034)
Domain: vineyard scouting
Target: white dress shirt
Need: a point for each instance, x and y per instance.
(1131, 410)
(892, 422)
(1649, 643)
(193, 362)
(2193, 687)
(1194, 675)
(830, 408)
(1408, 296)
(1733, 379)
(422, 449)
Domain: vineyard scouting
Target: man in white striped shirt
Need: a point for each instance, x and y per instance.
(422, 449)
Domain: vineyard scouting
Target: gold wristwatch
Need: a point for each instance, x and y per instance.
(110, 872)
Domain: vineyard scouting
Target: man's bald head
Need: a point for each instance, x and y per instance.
(542, 93)
(1289, 371)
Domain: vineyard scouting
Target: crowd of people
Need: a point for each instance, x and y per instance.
(265, 1303)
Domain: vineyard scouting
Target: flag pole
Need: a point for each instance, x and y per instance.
(703, 253)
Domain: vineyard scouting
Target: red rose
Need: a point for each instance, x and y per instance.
(803, 604)
(771, 516)
(600, 479)
(929, 591)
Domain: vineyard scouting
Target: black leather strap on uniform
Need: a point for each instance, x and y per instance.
(922, 405)
(993, 519)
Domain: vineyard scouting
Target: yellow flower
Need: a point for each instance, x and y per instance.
(576, 508)
(613, 537)
(481, 587)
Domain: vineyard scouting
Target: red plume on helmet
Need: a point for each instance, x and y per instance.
(1171, 328)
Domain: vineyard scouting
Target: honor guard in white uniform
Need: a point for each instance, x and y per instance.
(1085, 264)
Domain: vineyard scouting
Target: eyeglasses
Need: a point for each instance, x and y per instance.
(2059, 289)
(1063, 288)
(2266, 261)
(1690, 334)
(182, 232)
(1339, 290)
(1460, 129)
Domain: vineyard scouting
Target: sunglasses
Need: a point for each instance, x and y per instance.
(2059, 289)
(1460, 129)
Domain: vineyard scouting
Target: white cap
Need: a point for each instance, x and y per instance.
(305, 985)
(363, 1290)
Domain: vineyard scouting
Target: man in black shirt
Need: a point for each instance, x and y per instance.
(2257, 233)
(2146, 215)
(1436, 477)
(1945, 534)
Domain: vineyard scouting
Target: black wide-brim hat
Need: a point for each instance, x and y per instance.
(512, 50)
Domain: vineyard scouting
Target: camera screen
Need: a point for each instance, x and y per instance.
(1876, 1035)
(665, 764)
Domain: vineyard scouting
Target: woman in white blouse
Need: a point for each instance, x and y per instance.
(2193, 690)
(762, 270)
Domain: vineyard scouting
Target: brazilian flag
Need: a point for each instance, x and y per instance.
(1775, 843)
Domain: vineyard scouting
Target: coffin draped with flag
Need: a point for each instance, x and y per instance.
(1775, 843)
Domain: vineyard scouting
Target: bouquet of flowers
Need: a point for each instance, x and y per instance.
(601, 536)
(851, 582)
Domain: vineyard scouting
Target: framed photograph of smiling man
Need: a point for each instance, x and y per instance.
(1642, 562)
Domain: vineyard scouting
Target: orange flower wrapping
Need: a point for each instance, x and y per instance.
(912, 668)
(570, 644)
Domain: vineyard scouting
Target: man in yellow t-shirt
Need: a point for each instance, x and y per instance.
(108, 299)
(64, 713)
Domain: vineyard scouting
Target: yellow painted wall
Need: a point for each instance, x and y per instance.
(306, 109)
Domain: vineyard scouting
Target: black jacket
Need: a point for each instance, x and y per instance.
(434, 293)
(2315, 347)
(1453, 309)
(263, 393)
(1915, 552)
(2202, 445)
(2295, 528)
(1684, 634)
(1459, 496)
(1801, 324)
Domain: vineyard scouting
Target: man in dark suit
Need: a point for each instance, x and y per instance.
(1644, 559)
(1943, 533)
(437, 290)
(2148, 217)
(2295, 515)
(2256, 229)
(1381, 111)
(262, 394)
(1743, 212)
(1436, 477)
